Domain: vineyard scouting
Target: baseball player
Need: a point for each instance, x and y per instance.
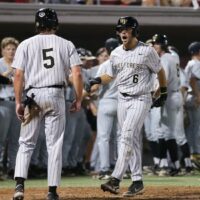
(42, 63)
(11, 128)
(151, 125)
(180, 135)
(133, 63)
(193, 100)
(78, 121)
(107, 114)
(167, 133)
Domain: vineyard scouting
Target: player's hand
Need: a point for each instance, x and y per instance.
(160, 101)
(20, 111)
(76, 106)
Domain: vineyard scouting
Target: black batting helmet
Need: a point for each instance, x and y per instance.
(46, 18)
(128, 22)
(111, 44)
(85, 54)
(194, 48)
(160, 39)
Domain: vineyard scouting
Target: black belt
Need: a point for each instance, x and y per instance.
(127, 95)
(7, 99)
(49, 86)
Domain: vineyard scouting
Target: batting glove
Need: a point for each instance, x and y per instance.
(92, 82)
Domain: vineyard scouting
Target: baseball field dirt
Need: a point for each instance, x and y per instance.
(85, 187)
(81, 193)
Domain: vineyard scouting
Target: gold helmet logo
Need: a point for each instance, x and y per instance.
(123, 21)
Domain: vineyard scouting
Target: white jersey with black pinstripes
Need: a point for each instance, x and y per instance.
(132, 68)
(172, 71)
(47, 58)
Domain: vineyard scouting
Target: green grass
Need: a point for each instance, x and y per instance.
(90, 182)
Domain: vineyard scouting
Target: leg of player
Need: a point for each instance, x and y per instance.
(131, 130)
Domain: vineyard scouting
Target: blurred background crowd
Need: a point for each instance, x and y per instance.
(83, 153)
(175, 3)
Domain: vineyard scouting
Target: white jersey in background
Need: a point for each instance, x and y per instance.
(47, 58)
(172, 72)
(132, 68)
(108, 91)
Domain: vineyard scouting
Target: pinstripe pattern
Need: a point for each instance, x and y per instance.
(133, 68)
(135, 74)
(52, 104)
(131, 115)
(35, 53)
(45, 60)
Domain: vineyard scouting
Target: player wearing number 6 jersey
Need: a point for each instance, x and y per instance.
(43, 62)
(134, 65)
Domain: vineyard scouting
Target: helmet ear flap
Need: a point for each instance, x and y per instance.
(135, 32)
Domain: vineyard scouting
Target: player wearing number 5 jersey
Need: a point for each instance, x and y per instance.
(134, 65)
(42, 63)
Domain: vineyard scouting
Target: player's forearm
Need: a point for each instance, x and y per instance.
(78, 84)
(18, 86)
(162, 78)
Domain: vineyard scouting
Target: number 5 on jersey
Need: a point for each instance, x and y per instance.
(48, 58)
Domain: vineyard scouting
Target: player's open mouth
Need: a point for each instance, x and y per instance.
(124, 38)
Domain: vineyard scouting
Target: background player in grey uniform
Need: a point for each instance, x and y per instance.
(133, 63)
(180, 135)
(3, 125)
(107, 115)
(11, 128)
(43, 62)
(77, 121)
(193, 101)
(167, 133)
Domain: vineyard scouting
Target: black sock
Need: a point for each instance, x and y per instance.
(52, 189)
(154, 148)
(185, 150)
(162, 146)
(19, 181)
(173, 149)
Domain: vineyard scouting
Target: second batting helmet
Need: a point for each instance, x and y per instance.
(128, 22)
(46, 18)
(160, 39)
(194, 47)
(85, 54)
(111, 44)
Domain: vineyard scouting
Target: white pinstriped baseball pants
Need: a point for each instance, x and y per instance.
(131, 115)
(51, 101)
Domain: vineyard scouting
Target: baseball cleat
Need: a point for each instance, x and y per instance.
(19, 192)
(111, 186)
(52, 196)
(135, 188)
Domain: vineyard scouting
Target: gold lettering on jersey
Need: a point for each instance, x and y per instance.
(127, 65)
(123, 21)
